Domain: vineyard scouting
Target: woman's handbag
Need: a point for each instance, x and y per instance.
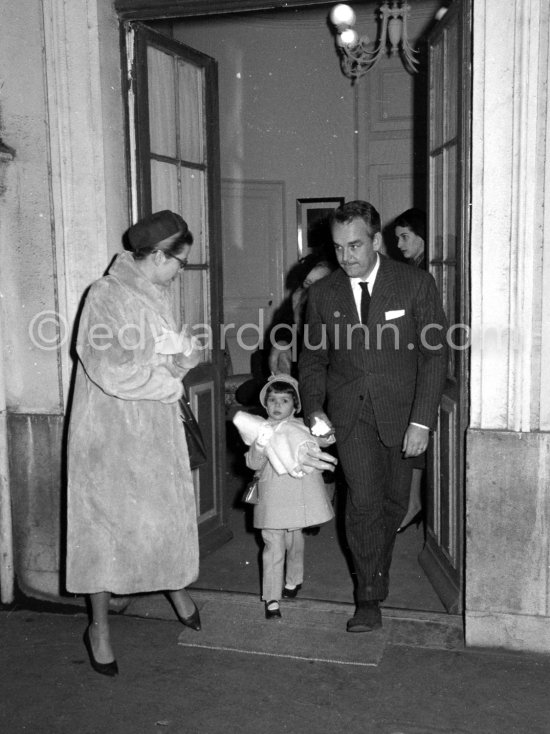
(251, 495)
(195, 441)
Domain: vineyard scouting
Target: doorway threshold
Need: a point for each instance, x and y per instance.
(412, 628)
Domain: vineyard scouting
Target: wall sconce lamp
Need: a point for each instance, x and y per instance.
(355, 57)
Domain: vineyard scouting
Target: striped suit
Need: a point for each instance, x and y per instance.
(372, 384)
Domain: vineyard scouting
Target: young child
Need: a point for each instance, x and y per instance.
(291, 496)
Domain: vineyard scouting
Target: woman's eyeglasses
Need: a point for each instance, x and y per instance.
(182, 263)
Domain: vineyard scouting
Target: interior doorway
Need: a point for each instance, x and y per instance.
(363, 161)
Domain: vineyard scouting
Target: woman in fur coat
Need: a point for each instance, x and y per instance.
(131, 514)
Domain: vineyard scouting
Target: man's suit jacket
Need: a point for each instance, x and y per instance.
(402, 365)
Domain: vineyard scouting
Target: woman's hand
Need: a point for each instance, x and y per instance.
(280, 360)
(169, 342)
(172, 342)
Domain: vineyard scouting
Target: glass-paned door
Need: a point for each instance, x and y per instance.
(174, 164)
(448, 247)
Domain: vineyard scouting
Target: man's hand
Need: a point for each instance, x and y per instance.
(415, 441)
(319, 460)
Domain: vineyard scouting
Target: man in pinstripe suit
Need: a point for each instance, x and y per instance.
(374, 357)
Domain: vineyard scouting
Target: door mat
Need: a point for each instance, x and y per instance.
(306, 631)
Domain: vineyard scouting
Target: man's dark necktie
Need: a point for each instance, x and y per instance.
(365, 303)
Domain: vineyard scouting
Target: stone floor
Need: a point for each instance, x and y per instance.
(48, 687)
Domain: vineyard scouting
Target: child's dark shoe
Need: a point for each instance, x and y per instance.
(290, 593)
(272, 610)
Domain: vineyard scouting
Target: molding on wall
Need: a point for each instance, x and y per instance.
(254, 223)
(382, 177)
(391, 100)
(76, 150)
(541, 391)
(509, 167)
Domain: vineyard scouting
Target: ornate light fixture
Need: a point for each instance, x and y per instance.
(355, 56)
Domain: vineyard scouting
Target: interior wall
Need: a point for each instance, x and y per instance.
(286, 111)
(289, 115)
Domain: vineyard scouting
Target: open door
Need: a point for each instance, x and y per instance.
(173, 140)
(448, 249)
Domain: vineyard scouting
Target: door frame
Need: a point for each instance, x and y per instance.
(448, 581)
(169, 9)
(152, 10)
(205, 383)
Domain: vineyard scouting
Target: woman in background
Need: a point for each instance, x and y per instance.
(410, 231)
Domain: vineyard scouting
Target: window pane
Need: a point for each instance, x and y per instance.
(191, 107)
(164, 186)
(449, 302)
(162, 107)
(451, 176)
(193, 208)
(451, 82)
(436, 95)
(195, 300)
(436, 208)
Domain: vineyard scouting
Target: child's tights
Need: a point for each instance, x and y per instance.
(277, 544)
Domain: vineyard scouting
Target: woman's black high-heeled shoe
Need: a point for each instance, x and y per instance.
(110, 669)
(416, 520)
(193, 620)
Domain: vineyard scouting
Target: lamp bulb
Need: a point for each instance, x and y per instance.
(348, 38)
(342, 16)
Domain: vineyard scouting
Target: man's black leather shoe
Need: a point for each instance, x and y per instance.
(367, 617)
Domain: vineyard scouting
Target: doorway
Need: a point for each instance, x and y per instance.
(288, 115)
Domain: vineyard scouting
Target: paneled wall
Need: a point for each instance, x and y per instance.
(253, 212)
(289, 116)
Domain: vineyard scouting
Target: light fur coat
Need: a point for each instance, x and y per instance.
(131, 513)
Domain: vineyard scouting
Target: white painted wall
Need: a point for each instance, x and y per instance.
(63, 198)
(508, 445)
(27, 259)
(287, 113)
